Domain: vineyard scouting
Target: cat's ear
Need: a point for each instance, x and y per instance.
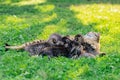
(79, 38)
(66, 39)
(98, 37)
(54, 41)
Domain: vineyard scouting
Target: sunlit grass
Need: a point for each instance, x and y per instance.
(50, 29)
(29, 2)
(96, 13)
(49, 18)
(14, 19)
(45, 8)
(13, 22)
(79, 72)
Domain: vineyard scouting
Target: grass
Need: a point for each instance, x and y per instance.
(23, 21)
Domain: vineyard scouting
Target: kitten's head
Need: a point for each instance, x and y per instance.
(93, 36)
(67, 41)
(55, 39)
(79, 38)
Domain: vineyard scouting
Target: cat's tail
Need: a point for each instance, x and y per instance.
(19, 47)
(7, 47)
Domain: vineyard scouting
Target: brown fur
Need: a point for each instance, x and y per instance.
(79, 38)
(77, 48)
(55, 51)
(89, 45)
(81, 46)
(35, 49)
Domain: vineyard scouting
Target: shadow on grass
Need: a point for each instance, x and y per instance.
(16, 10)
(12, 1)
(66, 15)
(71, 1)
(75, 2)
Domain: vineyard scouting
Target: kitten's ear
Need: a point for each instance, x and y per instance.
(79, 38)
(66, 39)
(67, 36)
(54, 40)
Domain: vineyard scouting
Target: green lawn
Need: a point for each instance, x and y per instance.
(27, 20)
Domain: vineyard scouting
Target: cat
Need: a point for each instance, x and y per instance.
(90, 44)
(35, 47)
